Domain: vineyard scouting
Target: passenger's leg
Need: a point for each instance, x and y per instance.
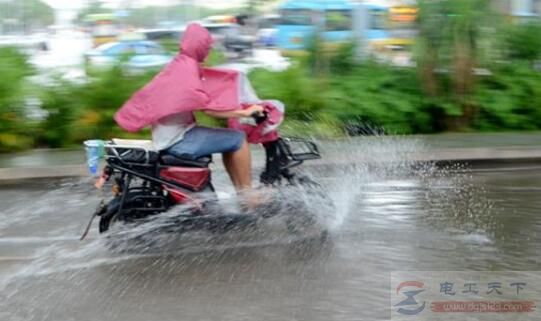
(239, 167)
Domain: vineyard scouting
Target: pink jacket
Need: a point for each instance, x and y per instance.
(182, 86)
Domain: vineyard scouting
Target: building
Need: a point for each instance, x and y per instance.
(518, 8)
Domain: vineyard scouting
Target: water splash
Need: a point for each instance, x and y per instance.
(356, 166)
(350, 171)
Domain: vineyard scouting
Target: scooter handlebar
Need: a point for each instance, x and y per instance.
(260, 117)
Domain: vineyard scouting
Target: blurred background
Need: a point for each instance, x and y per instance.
(342, 67)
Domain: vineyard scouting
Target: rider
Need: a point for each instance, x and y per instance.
(179, 135)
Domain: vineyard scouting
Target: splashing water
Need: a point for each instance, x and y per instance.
(349, 169)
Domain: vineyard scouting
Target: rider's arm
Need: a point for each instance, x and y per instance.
(235, 113)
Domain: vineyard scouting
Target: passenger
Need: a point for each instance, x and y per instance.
(179, 135)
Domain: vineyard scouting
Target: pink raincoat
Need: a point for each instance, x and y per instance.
(182, 86)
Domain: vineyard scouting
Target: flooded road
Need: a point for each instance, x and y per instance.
(387, 219)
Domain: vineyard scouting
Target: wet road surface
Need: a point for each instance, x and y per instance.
(387, 219)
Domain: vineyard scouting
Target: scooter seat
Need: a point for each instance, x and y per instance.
(171, 160)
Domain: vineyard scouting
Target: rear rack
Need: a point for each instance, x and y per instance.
(298, 149)
(130, 153)
(283, 154)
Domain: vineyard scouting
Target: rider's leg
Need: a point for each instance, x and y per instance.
(239, 167)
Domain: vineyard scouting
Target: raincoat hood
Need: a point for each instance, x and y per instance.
(182, 86)
(196, 42)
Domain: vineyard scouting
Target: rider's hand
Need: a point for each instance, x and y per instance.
(253, 109)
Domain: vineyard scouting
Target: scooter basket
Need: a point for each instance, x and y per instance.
(299, 149)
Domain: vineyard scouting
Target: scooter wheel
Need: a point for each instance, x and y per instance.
(110, 216)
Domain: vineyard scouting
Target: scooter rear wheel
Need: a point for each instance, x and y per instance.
(110, 216)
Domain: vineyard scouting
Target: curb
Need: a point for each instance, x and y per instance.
(22, 173)
(475, 158)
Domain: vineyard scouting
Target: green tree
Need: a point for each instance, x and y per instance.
(94, 6)
(14, 69)
(448, 50)
(24, 15)
(62, 108)
(524, 41)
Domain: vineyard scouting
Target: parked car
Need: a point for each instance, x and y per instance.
(266, 30)
(26, 42)
(237, 40)
(219, 32)
(134, 55)
(171, 36)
